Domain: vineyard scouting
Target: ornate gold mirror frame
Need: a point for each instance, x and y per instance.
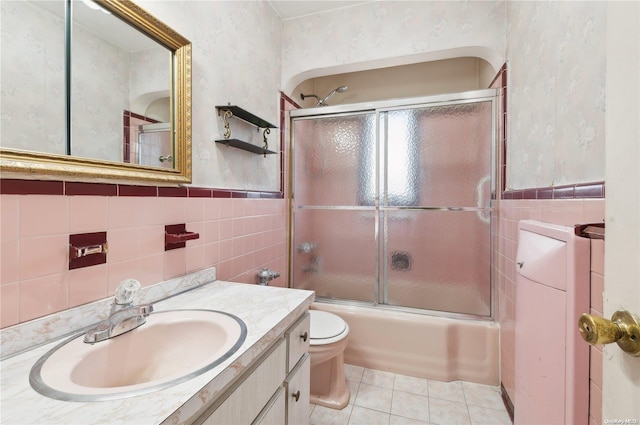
(16, 163)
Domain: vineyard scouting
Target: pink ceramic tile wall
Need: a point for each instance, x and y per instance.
(238, 236)
(564, 212)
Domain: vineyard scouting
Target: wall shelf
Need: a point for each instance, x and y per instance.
(245, 115)
(236, 143)
(229, 111)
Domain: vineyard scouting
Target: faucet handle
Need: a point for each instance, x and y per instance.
(126, 291)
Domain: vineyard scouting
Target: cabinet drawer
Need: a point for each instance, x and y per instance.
(297, 341)
(297, 386)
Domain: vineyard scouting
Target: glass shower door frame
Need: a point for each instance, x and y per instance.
(381, 209)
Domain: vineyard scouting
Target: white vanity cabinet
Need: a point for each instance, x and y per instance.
(273, 391)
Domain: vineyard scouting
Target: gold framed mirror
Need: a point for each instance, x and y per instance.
(37, 160)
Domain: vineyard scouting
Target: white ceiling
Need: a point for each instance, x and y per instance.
(289, 9)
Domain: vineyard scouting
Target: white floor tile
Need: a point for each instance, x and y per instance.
(363, 416)
(410, 384)
(353, 373)
(399, 420)
(482, 395)
(378, 378)
(384, 398)
(451, 391)
(409, 405)
(485, 416)
(373, 397)
(324, 416)
(445, 412)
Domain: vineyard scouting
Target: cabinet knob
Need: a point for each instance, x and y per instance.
(296, 395)
(623, 329)
(304, 336)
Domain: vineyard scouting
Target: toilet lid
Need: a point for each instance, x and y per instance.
(325, 325)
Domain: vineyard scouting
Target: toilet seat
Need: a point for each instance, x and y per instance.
(326, 328)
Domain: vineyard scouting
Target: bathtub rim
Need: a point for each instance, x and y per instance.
(410, 310)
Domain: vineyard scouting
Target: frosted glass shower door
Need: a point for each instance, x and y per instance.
(435, 204)
(334, 246)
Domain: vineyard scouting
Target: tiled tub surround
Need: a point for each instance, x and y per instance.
(267, 312)
(237, 235)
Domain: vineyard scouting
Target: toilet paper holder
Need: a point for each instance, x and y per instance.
(623, 329)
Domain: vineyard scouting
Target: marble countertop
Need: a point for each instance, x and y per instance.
(267, 312)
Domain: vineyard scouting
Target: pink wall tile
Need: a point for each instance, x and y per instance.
(150, 240)
(211, 254)
(151, 270)
(175, 211)
(175, 263)
(10, 213)
(41, 256)
(211, 209)
(194, 258)
(9, 304)
(87, 285)
(43, 215)
(87, 214)
(195, 209)
(42, 296)
(123, 245)
(122, 212)
(597, 256)
(9, 256)
(117, 272)
(597, 289)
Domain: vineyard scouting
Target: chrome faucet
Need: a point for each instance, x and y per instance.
(266, 276)
(124, 316)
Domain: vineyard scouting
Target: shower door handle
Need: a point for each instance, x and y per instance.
(480, 199)
(164, 158)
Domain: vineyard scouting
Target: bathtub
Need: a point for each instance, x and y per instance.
(418, 345)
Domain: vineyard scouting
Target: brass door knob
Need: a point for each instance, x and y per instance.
(623, 329)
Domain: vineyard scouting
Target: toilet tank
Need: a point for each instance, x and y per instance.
(552, 291)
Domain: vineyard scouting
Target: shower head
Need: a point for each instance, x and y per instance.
(323, 102)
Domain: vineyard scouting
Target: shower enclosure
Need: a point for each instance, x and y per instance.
(391, 203)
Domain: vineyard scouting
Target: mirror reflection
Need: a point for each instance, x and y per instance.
(120, 85)
(119, 79)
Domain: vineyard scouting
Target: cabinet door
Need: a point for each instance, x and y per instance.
(274, 413)
(298, 341)
(250, 397)
(297, 385)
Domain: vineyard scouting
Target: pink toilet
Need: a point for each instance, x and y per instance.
(329, 336)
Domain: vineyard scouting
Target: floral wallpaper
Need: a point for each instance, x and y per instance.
(556, 93)
(385, 33)
(32, 87)
(236, 59)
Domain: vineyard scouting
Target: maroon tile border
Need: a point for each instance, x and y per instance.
(571, 191)
(31, 187)
(102, 189)
(41, 187)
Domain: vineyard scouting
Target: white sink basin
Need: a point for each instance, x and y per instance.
(170, 348)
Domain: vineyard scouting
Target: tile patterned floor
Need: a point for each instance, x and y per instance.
(384, 398)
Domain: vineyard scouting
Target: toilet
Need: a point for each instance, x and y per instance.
(329, 336)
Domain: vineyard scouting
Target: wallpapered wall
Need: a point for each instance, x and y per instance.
(391, 33)
(556, 59)
(236, 59)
